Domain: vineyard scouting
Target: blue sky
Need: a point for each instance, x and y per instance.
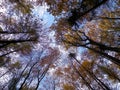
(41, 12)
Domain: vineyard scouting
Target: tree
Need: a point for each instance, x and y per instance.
(34, 70)
(80, 26)
(20, 33)
(90, 24)
(74, 10)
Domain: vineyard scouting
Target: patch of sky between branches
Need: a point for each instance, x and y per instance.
(47, 20)
(46, 17)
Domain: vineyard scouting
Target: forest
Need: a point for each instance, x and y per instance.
(79, 50)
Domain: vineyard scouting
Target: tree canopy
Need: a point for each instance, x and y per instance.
(79, 51)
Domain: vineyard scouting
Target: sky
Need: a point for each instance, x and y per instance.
(41, 12)
(48, 20)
